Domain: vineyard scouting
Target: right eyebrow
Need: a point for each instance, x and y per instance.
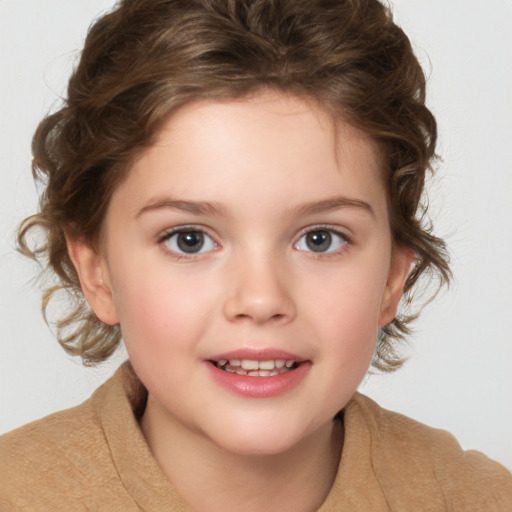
(194, 207)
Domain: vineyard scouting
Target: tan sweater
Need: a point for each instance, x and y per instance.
(94, 457)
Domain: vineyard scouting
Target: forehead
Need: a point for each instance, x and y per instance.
(281, 115)
(281, 145)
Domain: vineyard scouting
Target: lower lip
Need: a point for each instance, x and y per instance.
(259, 387)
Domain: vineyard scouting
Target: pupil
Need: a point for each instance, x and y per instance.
(319, 241)
(191, 241)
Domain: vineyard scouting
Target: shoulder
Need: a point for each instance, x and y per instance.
(410, 457)
(50, 463)
(43, 454)
(56, 431)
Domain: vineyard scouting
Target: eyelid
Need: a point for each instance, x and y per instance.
(336, 230)
(343, 232)
(168, 233)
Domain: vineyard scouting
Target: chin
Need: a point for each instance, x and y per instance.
(257, 447)
(255, 439)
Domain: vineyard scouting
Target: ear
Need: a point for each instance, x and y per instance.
(402, 259)
(94, 278)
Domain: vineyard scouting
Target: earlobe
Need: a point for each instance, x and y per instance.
(94, 279)
(402, 260)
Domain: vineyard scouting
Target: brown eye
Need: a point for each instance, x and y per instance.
(321, 240)
(189, 242)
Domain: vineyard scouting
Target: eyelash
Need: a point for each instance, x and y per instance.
(165, 237)
(185, 229)
(347, 241)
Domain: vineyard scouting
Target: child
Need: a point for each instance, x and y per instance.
(235, 187)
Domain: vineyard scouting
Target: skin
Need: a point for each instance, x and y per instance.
(262, 163)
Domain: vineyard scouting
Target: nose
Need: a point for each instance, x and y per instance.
(260, 292)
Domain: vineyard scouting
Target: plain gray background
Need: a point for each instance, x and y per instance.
(459, 374)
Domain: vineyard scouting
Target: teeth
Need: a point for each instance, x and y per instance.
(249, 364)
(253, 368)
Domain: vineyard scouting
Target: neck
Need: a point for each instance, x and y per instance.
(301, 477)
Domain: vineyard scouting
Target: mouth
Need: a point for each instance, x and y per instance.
(256, 368)
(258, 373)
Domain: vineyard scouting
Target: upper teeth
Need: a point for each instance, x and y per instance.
(252, 364)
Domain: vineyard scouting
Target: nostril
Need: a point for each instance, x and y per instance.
(242, 316)
(259, 307)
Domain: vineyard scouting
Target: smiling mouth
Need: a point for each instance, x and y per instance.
(254, 368)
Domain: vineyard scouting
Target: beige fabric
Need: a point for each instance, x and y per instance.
(94, 457)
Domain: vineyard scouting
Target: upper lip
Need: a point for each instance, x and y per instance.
(258, 354)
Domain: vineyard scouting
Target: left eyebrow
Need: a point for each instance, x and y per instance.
(333, 203)
(194, 207)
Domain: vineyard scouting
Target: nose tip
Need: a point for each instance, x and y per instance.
(261, 297)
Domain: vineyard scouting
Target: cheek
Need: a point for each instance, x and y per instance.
(351, 299)
(159, 308)
(346, 313)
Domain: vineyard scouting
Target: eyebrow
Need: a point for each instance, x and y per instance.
(217, 210)
(194, 207)
(334, 203)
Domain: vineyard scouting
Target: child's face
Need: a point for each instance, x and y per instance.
(252, 230)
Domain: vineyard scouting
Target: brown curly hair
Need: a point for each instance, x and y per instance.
(146, 58)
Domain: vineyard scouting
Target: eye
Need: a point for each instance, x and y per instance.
(321, 240)
(188, 241)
